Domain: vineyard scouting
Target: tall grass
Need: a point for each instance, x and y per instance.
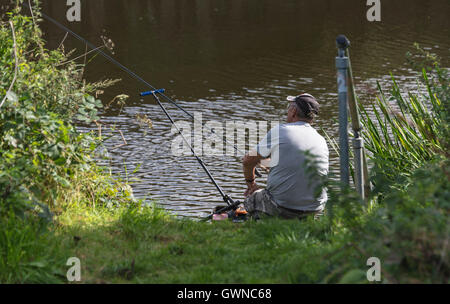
(404, 130)
(406, 224)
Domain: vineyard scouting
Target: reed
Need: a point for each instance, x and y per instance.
(403, 131)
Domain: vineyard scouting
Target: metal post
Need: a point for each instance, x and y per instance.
(358, 144)
(361, 170)
(342, 67)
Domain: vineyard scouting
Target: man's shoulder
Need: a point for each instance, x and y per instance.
(299, 128)
(306, 132)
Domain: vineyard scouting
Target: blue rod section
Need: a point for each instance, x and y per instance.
(152, 92)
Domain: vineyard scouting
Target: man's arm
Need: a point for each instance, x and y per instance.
(249, 164)
(262, 151)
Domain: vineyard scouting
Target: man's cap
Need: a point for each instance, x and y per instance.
(307, 103)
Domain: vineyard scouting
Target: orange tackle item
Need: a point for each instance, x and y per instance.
(240, 211)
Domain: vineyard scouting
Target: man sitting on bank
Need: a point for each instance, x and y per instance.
(292, 189)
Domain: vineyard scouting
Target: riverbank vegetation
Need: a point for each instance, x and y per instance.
(56, 203)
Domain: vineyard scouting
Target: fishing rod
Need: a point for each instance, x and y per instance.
(232, 205)
(130, 72)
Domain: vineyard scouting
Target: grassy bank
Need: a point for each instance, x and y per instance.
(134, 244)
(146, 245)
(56, 203)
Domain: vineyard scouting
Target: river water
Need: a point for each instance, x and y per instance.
(234, 60)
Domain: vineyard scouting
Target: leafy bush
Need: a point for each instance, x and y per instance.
(45, 162)
(40, 148)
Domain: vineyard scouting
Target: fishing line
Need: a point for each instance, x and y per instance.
(225, 197)
(130, 72)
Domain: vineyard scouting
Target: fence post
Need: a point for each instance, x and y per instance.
(361, 170)
(342, 68)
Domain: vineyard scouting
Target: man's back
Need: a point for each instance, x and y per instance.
(294, 147)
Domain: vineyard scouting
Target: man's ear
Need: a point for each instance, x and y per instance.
(294, 111)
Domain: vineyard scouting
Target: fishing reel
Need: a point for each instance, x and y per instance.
(234, 211)
(237, 215)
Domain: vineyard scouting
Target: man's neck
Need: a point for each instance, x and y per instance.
(300, 120)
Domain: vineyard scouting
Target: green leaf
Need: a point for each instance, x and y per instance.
(30, 115)
(62, 181)
(82, 117)
(98, 103)
(36, 264)
(90, 106)
(60, 161)
(354, 276)
(11, 96)
(11, 140)
(90, 99)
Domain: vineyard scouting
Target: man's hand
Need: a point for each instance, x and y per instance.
(249, 164)
(251, 187)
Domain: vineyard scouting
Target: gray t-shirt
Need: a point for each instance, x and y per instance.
(290, 182)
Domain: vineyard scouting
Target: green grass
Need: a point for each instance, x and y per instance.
(147, 245)
(408, 230)
(128, 243)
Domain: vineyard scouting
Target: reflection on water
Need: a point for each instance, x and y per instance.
(236, 60)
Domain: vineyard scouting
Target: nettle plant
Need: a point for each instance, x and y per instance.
(40, 148)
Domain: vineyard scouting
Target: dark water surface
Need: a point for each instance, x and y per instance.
(235, 60)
